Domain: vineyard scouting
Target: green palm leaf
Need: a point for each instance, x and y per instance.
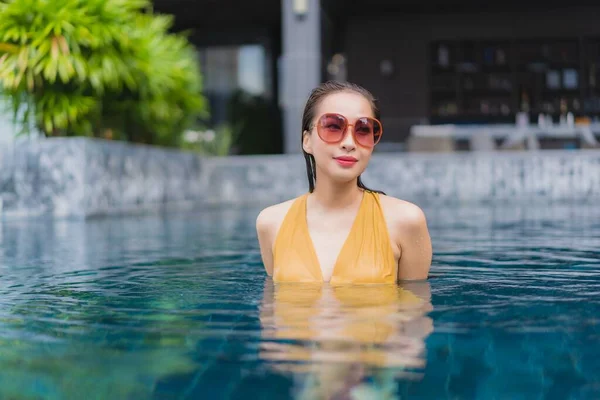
(80, 67)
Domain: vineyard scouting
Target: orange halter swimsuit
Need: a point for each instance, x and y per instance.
(366, 256)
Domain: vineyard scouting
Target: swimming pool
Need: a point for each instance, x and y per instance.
(177, 306)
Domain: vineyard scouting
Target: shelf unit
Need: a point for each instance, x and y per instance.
(486, 81)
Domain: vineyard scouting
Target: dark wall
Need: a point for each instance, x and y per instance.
(404, 39)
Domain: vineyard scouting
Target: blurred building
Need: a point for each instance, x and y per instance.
(428, 61)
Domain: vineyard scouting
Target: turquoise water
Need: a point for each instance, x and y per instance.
(177, 306)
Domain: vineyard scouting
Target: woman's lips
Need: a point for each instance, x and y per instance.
(345, 161)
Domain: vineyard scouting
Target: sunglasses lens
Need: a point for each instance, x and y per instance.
(331, 128)
(368, 131)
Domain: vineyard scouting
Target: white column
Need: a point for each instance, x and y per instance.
(300, 64)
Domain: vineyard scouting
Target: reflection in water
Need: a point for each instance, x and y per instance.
(349, 341)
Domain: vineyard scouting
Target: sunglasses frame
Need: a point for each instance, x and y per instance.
(353, 130)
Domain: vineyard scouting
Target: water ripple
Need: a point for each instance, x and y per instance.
(177, 306)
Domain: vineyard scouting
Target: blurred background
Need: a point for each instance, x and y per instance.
(449, 75)
(128, 254)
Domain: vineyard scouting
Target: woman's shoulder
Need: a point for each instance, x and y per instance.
(270, 218)
(402, 214)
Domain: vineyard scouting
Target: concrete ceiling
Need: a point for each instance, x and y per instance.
(235, 21)
(382, 7)
(219, 14)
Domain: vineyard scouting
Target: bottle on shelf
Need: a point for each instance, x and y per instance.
(524, 102)
(570, 119)
(563, 111)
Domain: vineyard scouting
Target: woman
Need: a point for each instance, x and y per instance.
(340, 231)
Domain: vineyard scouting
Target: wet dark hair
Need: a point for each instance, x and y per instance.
(315, 98)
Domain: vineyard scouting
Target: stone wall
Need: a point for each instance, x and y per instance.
(502, 177)
(45, 177)
(79, 177)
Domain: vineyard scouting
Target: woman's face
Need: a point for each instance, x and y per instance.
(346, 160)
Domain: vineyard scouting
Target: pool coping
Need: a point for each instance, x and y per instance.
(85, 178)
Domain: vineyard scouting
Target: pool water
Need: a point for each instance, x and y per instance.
(177, 306)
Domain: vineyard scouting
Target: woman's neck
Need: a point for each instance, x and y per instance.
(330, 195)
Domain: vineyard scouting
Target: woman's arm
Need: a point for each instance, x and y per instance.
(267, 226)
(263, 231)
(414, 242)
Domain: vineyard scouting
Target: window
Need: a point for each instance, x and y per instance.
(230, 68)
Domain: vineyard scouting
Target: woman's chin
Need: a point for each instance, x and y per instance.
(345, 176)
(341, 175)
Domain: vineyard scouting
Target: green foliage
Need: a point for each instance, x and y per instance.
(258, 129)
(88, 67)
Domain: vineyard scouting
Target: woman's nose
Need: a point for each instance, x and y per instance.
(348, 139)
